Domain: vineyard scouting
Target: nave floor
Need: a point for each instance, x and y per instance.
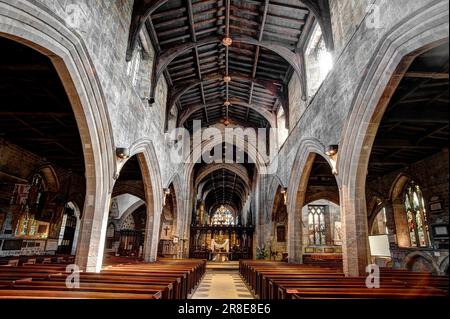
(222, 282)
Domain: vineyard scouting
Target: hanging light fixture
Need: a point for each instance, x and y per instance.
(227, 41)
(123, 153)
(227, 103)
(227, 79)
(166, 194)
(284, 193)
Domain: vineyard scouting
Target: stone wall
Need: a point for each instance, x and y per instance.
(321, 121)
(346, 17)
(324, 117)
(104, 27)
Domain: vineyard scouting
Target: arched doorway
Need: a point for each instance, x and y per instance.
(321, 221)
(128, 211)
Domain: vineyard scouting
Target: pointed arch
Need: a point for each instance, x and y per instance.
(34, 25)
(151, 176)
(298, 183)
(420, 31)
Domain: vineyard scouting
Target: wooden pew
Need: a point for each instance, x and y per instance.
(272, 280)
(166, 279)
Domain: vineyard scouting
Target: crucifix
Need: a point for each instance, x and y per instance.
(167, 229)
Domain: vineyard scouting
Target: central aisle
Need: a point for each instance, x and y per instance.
(222, 281)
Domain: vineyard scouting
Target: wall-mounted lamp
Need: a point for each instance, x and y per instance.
(166, 194)
(284, 193)
(332, 150)
(122, 153)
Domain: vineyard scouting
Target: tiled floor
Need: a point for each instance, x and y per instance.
(222, 285)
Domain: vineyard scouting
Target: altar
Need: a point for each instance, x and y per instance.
(218, 238)
(221, 243)
(220, 250)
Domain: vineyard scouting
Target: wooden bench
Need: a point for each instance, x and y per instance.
(166, 279)
(272, 280)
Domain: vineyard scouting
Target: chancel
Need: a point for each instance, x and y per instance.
(224, 149)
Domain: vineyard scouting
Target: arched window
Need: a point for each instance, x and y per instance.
(316, 225)
(318, 61)
(223, 216)
(416, 216)
(134, 66)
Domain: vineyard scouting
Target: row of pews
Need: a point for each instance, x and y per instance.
(165, 279)
(277, 280)
(41, 259)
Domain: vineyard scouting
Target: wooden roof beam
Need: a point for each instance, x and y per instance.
(266, 114)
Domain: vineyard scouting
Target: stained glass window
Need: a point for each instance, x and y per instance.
(222, 216)
(416, 216)
(316, 225)
(28, 225)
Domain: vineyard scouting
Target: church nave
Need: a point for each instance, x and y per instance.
(224, 149)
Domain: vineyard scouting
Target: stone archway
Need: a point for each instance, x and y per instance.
(297, 188)
(192, 157)
(151, 177)
(35, 26)
(420, 31)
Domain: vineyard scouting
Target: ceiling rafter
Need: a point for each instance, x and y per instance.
(189, 35)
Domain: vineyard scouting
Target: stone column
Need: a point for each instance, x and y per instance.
(152, 235)
(355, 231)
(91, 242)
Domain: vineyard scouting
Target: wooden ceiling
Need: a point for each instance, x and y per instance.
(225, 187)
(416, 123)
(268, 37)
(35, 111)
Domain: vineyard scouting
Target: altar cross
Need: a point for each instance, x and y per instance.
(166, 229)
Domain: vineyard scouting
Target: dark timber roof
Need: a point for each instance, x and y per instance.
(416, 122)
(35, 112)
(267, 46)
